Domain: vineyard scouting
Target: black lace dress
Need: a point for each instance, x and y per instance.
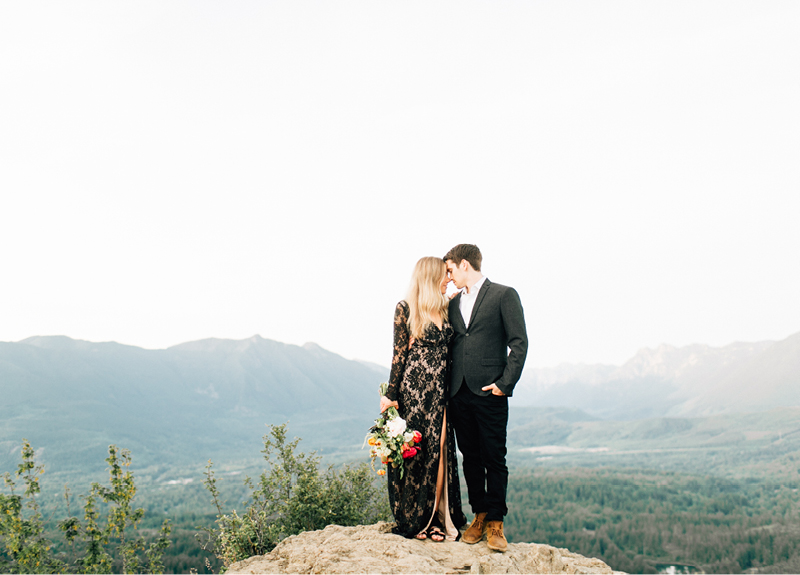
(418, 384)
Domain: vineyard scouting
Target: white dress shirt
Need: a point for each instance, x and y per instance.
(468, 300)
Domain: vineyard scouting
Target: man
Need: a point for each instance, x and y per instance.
(488, 322)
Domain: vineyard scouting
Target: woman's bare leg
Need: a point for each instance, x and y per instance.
(440, 476)
(441, 480)
(442, 505)
(442, 460)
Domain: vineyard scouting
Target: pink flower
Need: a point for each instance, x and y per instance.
(417, 436)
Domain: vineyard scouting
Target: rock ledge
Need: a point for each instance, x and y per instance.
(374, 549)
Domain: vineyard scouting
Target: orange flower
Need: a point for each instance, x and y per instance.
(371, 441)
(381, 472)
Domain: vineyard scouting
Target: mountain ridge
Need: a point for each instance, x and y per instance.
(195, 400)
(213, 396)
(693, 380)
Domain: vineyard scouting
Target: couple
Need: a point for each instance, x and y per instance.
(452, 370)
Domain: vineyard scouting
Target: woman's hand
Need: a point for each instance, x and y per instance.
(386, 404)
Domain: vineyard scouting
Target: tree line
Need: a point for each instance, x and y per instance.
(640, 522)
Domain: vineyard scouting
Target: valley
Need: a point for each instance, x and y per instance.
(630, 464)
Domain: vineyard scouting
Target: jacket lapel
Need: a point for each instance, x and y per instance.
(456, 303)
(479, 299)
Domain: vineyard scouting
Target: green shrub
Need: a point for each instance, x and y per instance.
(24, 549)
(290, 496)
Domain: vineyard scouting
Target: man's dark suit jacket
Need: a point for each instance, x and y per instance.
(480, 354)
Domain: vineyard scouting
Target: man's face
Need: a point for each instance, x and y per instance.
(457, 274)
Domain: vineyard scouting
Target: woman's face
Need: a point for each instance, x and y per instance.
(443, 284)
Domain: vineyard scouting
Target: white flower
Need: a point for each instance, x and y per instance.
(396, 426)
(408, 436)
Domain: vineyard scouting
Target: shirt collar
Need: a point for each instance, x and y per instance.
(476, 287)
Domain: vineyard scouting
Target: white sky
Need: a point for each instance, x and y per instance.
(171, 171)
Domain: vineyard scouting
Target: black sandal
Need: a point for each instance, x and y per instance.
(436, 534)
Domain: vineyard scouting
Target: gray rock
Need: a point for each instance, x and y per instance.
(374, 549)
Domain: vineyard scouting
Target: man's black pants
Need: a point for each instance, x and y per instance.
(480, 424)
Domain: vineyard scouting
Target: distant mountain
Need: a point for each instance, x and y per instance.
(688, 381)
(213, 398)
(762, 381)
(193, 401)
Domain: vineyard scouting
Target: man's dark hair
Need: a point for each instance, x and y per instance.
(468, 252)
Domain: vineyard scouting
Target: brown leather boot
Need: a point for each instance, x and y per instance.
(495, 538)
(474, 532)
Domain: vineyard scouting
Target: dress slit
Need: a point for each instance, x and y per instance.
(441, 509)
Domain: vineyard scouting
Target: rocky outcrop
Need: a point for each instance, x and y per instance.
(374, 549)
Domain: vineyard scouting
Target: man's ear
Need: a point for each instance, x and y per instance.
(464, 265)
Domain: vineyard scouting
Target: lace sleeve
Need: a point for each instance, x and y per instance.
(400, 349)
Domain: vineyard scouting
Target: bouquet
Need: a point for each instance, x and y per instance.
(391, 440)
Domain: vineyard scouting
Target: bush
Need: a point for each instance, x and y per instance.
(290, 496)
(25, 550)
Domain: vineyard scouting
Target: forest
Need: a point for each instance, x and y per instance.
(637, 521)
(644, 521)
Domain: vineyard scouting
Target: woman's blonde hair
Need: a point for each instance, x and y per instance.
(425, 299)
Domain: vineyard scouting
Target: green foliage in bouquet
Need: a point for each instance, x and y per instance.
(290, 496)
(24, 549)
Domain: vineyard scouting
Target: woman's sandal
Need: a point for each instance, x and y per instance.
(436, 534)
(422, 536)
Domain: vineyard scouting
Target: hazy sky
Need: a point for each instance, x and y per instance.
(171, 171)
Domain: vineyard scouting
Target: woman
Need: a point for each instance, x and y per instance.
(426, 502)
